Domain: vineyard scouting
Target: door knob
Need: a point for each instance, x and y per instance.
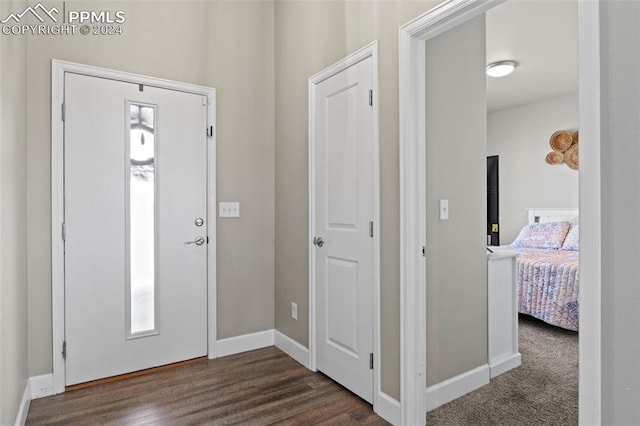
(197, 241)
(318, 241)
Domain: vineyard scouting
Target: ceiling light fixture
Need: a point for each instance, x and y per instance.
(501, 68)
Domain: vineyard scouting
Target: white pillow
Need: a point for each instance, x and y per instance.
(572, 241)
(548, 235)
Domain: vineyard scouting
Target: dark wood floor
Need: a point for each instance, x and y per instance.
(260, 387)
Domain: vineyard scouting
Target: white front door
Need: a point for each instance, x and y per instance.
(343, 135)
(135, 204)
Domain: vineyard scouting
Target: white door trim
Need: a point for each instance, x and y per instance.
(413, 36)
(590, 374)
(58, 69)
(368, 51)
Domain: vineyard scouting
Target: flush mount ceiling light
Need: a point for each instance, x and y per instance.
(501, 68)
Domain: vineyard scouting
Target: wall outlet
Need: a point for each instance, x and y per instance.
(41, 391)
(294, 311)
(227, 209)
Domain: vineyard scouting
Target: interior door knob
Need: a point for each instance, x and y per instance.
(197, 241)
(318, 241)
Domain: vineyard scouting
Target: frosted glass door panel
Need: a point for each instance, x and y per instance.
(142, 207)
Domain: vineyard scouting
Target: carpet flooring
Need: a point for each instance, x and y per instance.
(542, 391)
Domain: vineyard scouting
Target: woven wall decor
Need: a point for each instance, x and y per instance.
(565, 148)
(561, 140)
(554, 157)
(571, 157)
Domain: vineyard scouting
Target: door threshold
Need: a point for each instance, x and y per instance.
(134, 374)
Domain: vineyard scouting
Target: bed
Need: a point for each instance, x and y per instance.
(547, 268)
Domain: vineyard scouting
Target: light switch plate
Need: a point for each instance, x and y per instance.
(444, 209)
(228, 209)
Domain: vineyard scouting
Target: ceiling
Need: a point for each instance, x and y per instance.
(542, 36)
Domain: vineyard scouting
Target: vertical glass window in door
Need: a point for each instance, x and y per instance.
(141, 221)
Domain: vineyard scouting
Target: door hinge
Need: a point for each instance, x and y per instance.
(207, 239)
(64, 231)
(371, 361)
(210, 131)
(371, 229)
(371, 97)
(424, 251)
(64, 112)
(64, 350)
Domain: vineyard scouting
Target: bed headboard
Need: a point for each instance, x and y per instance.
(538, 215)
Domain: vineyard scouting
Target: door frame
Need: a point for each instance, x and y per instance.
(413, 362)
(368, 51)
(58, 70)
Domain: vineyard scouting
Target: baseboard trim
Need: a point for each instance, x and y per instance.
(450, 389)
(41, 386)
(23, 409)
(292, 348)
(506, 364)
(243, 343)
(389, 408)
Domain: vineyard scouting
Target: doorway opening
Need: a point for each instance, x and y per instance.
(413, 202)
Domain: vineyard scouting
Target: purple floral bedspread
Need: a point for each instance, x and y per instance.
(547, 282)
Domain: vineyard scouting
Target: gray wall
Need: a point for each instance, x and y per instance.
(456, 150)
(223, 44)
(520, 136)
(310, 36)
(620, 180)
(13, 227)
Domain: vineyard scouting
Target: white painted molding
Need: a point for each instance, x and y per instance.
(505, 364)
(368, 51)
(41, 386)
(455, 387)
(36, 387)
(244, 343)
(58, 69)
(389, 409)
(292, 348)
(358, 56)
(23, 409)
(590, 343)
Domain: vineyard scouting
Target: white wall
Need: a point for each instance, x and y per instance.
(620, 185)
(13, 229)
(520, 136)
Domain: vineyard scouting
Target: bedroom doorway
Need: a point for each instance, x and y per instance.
(412, 107)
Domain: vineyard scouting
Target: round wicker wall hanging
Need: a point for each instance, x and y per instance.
(561, 140)
(554, 157)
(571, 157)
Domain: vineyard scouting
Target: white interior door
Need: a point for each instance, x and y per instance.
(135, 169)
(343, 134)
